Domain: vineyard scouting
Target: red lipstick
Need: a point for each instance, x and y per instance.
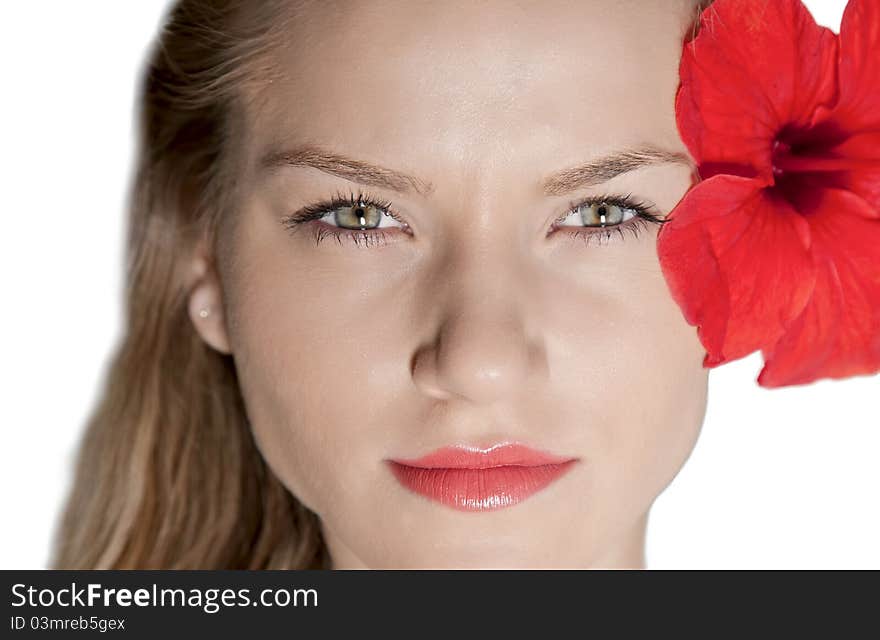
(472, 479)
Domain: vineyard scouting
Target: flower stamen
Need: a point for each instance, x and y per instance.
(784, 161)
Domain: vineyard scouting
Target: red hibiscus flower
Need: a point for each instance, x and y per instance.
(777, 247)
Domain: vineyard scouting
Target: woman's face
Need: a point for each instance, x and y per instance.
(477, 316)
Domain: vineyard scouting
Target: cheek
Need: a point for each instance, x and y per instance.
(320, 362)
(627, 371)
(653, 398)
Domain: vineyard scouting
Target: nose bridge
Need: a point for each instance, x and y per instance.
(481, 348)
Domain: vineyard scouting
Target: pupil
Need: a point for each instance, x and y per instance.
(602, 210)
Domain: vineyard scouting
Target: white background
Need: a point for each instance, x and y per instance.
(779, 478)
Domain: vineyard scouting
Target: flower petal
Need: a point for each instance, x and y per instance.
(838, 333)
(779, 67)
(858, 110)
(859, 68)
(736, 259)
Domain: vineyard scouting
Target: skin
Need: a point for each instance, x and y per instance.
(485, 324)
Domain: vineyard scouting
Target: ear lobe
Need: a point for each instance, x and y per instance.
(206, 306)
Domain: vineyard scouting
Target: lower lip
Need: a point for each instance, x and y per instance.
(479, 489)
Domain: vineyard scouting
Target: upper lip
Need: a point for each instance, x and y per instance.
(467, 457)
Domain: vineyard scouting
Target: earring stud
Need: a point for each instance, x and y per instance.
(204, 313)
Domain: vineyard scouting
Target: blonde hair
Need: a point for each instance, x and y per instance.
(697, 6)
(168, 475)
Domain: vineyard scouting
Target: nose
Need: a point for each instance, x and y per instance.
(481, 351)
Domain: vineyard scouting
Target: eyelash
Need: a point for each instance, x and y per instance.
(371, 237)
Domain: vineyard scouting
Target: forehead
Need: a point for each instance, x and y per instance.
(475, 82)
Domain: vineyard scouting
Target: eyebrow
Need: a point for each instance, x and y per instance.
(348, 168)
(588, 174)
(610, 166)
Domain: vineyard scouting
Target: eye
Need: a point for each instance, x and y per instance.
(598, 218)
(600, 214)
(359, 218)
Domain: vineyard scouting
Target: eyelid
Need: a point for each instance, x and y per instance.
(643, 208)
(325, 207)
(320, 209)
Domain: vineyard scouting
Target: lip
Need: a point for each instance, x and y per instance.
(473, 479)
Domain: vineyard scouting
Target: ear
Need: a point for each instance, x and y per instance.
(206, 303)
